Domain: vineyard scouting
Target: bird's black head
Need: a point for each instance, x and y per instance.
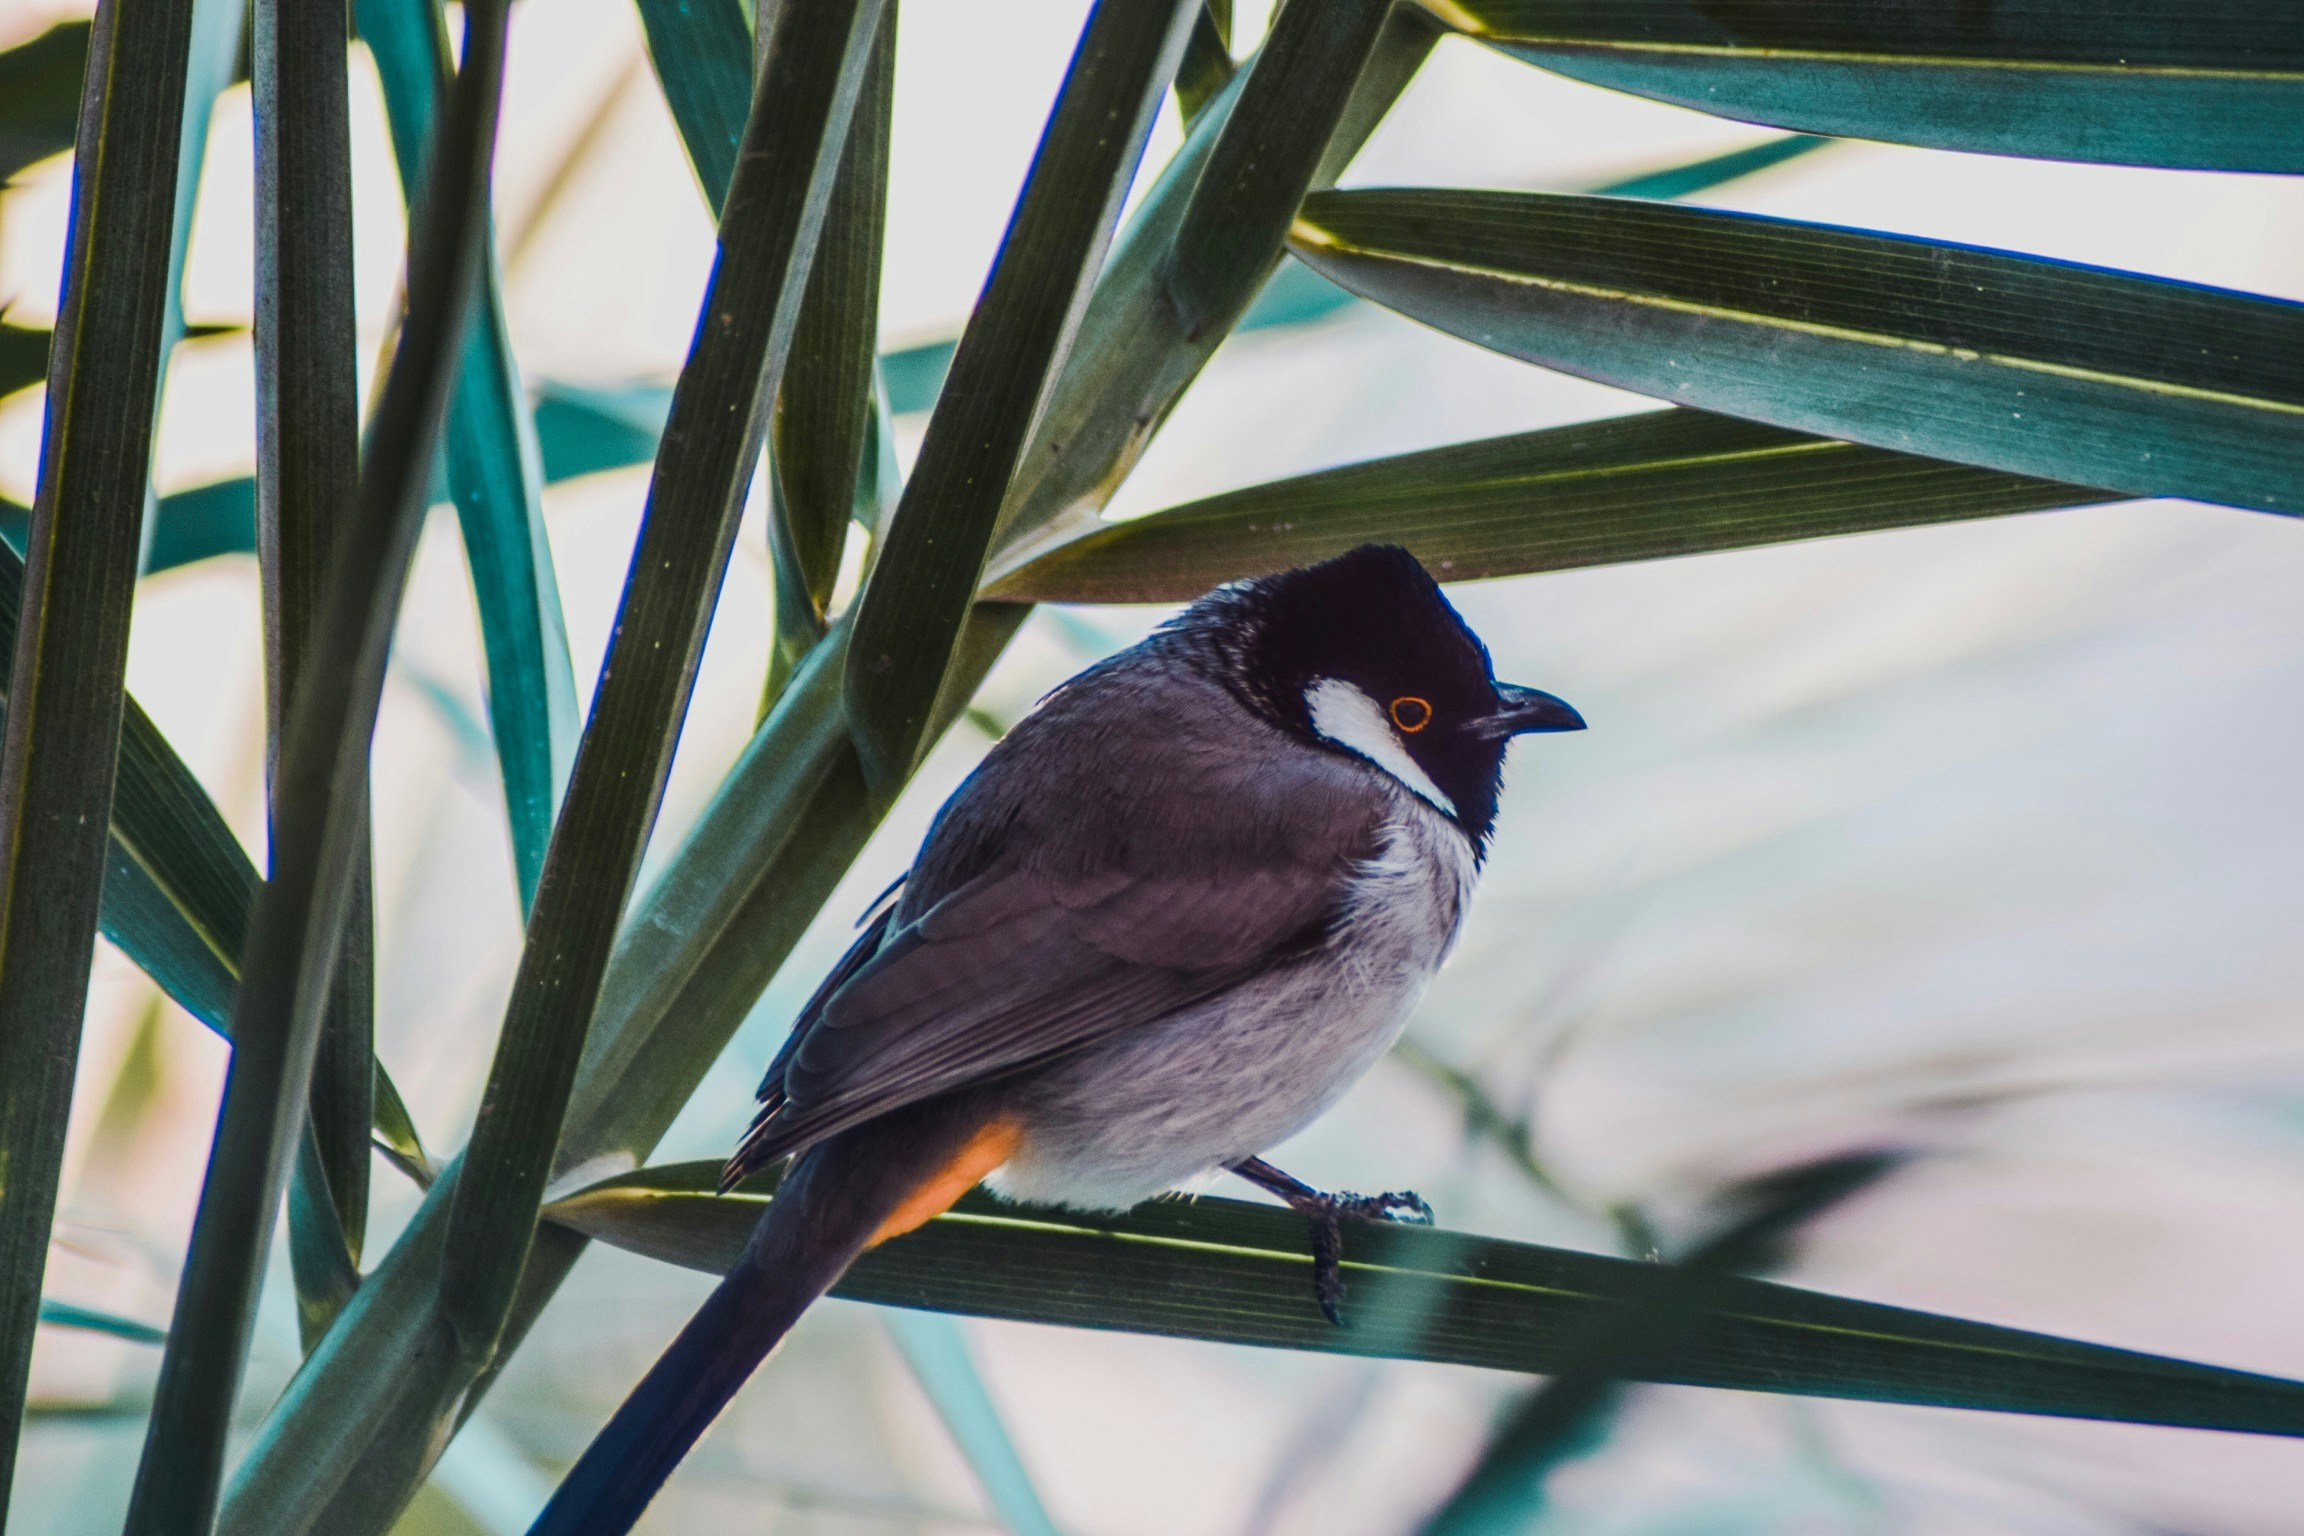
(1363, 654)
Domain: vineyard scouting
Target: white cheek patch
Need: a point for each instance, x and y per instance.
(1349, 718)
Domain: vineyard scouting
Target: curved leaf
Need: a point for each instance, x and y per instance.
(813, 71)
(65, 691)
(1233, 1272)
(1672, 482)
(494, 475)
(915, 604)
(2199, 84)
(63, 1314)
(40, 98)
(2038, 367)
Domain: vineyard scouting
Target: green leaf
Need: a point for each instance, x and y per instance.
(63, 730)
(1504, 1490)
(2200, 84)
(689, 965)
(1134, 357)
(1207, 64)
(916, 601)
(823, 453)
(940, 1360)
(702, 51)
(1228, 1271)
(495, 475)
(63, 1314)
(307, 468)
(23, 358)
(318, 813)
(584, 429)
(178, 887)
(1646, 487)
(2139, 385)
(40, 99)
(814, 65)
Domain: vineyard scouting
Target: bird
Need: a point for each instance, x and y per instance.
(1176, 911)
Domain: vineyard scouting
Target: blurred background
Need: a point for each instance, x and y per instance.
(1984, 840)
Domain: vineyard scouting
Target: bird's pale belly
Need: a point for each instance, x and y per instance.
(1167, 1104)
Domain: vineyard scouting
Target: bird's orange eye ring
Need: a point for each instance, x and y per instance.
(1411, 713)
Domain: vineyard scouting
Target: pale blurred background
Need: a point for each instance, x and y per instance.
(1983, 838)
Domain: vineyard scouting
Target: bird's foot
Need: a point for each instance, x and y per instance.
(1326, 1212)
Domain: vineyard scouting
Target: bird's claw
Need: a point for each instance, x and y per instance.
(1326, 1215)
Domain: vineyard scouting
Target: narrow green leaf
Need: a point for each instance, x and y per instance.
(938, 1354)
(494, 474)
(2200, 84)
(1233, 1272)
(63, 1314)
(2038, 367)
(916, 602)
(63, 729)
(1504, 1490)
(318, 811)
(1275, 138)
(1134, 358)
(816, 61)
(822, 454)
(370, 1407)
(40, 97)
(178, 887)
(207, 520)
(702, 51)
(1207, 65)
(23, 358)
(1646, 487)
(584, 429)
(307, 467)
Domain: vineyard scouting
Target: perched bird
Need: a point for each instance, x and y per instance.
(1173, 915)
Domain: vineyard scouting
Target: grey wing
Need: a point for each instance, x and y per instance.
(1123, 853)
(1015, 969)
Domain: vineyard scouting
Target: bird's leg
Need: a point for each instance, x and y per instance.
(1327, 1212)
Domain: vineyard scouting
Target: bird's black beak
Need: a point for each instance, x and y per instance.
(1525, 711)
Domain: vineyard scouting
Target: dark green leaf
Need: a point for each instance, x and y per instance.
(702, 51)
(2033, 366)
(63, 1314)
(40, 98)
(2203, 84)
(1133, 358)
(307, 467)
(689, 965)
(178, 887)
(1642, 1338)
(1673, 482)
(1207, 63)
(63, 730)
(494, 476)
(815, 63)
(823, 456)
(23, 357)
(1275, 138)
(1232, 1272)
(916, 602)
(318, 813)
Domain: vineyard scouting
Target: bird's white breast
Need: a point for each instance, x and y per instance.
(1165, 1105)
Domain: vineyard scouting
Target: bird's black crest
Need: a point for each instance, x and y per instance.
(1376, 619)
(1373, 617)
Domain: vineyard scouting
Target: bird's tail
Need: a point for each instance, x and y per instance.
(839, 1198)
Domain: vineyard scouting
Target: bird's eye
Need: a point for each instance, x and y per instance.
(1411, 713)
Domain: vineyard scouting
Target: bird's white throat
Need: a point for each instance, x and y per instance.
(1346, 716)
